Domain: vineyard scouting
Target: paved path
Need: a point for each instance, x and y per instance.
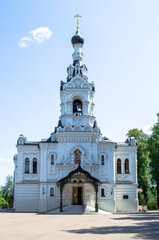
(72, 209)
(78, 210)
(31, 226)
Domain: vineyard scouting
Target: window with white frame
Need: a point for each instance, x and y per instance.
(34, 165)
(51, 192)
(27, 163)
(102, 192)
(126, 165)
(119, 166)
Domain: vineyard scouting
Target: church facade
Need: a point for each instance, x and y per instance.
(76, 164)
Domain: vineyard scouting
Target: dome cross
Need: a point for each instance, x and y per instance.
(77, 16)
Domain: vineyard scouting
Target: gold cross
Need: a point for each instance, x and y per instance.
(77, 16)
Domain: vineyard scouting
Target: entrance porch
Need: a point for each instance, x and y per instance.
(78, 179)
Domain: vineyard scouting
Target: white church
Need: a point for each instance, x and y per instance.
(76, 165)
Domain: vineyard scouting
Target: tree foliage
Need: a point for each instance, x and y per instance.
(7, 192)
(143, 171)
(154, 156)
(3, 203)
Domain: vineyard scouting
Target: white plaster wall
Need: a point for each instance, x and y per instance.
(130, 153)
(27, 198)
(107, 205)
(30, 152)
(106, 172)
(88, 195)
(53, 201)
(48, 177)
(126, 205)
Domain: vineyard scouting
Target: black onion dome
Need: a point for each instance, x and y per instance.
(77, 38)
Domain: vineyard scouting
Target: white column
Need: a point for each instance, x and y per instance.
(43, 177)
(122, 165)
(20, 164)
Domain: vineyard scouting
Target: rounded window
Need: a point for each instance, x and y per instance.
(34, 165)
(27, 163)
(126, 166)
(118, 165)
(77, 108)
(77, 155)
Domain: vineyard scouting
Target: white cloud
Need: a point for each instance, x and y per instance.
(24, 42)
(6, 159)
(41, 33)
(38, 36)
(147, 127)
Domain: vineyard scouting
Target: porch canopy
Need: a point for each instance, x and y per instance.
(79, 173)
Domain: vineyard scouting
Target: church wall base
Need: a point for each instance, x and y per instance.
(27, 198)
(27, 205)
(107, 205)
(54, 203)
(126, 205)
(43, 206)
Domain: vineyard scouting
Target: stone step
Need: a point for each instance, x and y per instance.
(91, 210)
(71, 209)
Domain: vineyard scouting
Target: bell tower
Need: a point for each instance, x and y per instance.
(77, 94)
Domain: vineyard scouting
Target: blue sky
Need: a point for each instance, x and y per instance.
(121, 51)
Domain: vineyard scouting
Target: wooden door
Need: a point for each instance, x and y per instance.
(75, 195)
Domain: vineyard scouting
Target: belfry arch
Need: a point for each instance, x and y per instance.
(77, 107)
(80, 175)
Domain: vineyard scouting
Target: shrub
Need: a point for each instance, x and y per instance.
(3, 203)
(152, 206)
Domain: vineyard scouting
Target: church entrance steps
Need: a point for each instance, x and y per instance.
(71, 209)
(91, 210)
(77, 210)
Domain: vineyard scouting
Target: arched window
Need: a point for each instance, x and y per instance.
(52, 159)
(118, 165)
(102, 192)
(77, 108)
(34, 165)
(126, 165)
(51, 192)
(77, 155)
(27, 163)
(102, 159)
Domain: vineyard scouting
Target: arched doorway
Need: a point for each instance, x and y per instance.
(81, 177)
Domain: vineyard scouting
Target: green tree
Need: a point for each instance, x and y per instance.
(3, 203)
(154, 156)
(8, 190)
(143, 161)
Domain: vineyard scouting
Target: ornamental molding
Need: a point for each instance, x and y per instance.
(85, 85)
(71, 159)
(52, 153)
(77, 147)
(77, 78)
(76, 128)
(103, 153)
(31, 153)
(77, 95)
(75, 139)
(123, 154)
(31, 156)
(70, 85)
